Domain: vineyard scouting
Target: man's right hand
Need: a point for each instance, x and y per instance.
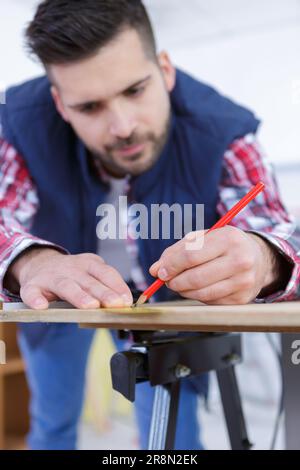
(85, 280)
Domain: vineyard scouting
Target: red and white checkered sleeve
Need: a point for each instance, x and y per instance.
(18, 206)
(244, 166)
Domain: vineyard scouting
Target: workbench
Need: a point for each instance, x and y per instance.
(283, 317)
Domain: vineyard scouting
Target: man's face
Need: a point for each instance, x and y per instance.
(118, 103)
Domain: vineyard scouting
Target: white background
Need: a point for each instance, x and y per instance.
(249, 50)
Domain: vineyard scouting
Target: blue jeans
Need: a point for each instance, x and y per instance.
(56, 357)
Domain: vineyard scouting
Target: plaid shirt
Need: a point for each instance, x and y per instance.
(243, 166)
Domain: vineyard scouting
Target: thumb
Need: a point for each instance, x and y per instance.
(33, 297)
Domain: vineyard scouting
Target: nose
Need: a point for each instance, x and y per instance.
(122, 124)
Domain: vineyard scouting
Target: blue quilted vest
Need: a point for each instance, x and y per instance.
(204, 124)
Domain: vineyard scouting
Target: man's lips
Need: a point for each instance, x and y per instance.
(130, 150)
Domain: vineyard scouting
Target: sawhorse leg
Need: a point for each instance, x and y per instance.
(232, 408)
(164, 417)
(164, 361)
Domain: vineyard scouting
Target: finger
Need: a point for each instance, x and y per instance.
(192, 240)
(153, 270)
(69, 290)
(239, 289)
(112, 279)
(213, 293)
(233, 299)
(33, 297)
(106, 296)
(204, 275)
(171, 264)
(168, 252)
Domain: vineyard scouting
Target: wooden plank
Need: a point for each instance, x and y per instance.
(277, 317)
(2, 409)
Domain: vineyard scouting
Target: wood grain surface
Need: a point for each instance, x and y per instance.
(177, 316)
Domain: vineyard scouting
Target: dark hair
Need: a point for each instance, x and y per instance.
(65, 31)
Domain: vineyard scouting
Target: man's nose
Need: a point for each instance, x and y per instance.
(122, 124)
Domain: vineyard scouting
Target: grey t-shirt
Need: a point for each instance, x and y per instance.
(114, 251)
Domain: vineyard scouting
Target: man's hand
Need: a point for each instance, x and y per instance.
(85, 281)
(232, 267)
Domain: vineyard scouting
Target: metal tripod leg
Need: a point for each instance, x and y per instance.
(163, 361)
(232, 407)
(164, 416)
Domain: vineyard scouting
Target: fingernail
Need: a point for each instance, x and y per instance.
(39, 302)
(90, 302)
(114, 300)
(154, 265)
(163, 274)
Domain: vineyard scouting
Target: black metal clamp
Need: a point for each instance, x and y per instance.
(164, 358)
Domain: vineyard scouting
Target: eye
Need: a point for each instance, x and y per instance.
(90, 108)
(135, 91)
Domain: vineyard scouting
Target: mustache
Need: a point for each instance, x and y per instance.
(131, 141)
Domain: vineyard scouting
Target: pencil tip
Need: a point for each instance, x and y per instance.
(140, 301)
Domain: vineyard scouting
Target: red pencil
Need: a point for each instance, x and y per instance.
(221, 223)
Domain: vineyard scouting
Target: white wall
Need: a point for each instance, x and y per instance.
(248, 50)
(15, 64)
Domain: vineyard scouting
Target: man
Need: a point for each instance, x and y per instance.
(114, 117)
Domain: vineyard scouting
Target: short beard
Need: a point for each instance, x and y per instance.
(107, 161)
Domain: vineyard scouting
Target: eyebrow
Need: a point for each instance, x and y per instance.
(87, 103)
